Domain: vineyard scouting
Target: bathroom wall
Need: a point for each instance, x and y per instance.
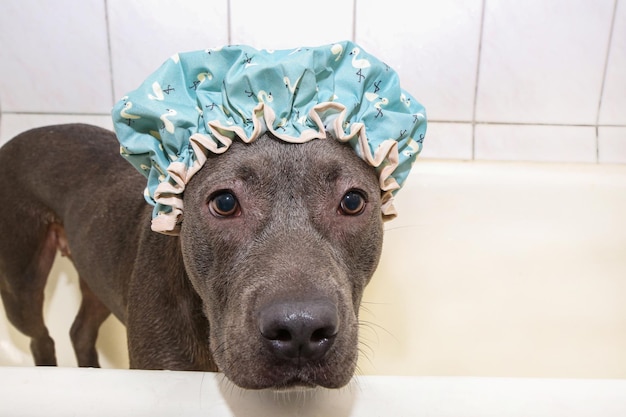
(501, 79)
(499, 267)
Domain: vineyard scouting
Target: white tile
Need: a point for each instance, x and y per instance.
(145, 33)
(54, 56)
(13, 124)
(448, 141)
(278, 24)
(612, 145)
(613, 107)
(535, 143)
(543, 61)
(433, 45)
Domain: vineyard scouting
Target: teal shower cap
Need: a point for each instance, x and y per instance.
(198, 102)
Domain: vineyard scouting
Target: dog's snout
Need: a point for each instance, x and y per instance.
(299, 331)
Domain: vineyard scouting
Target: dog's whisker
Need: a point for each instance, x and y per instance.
(365, 347)
(358, 371)
(227, 387)
(403, 227)
(363, 354)
(355, 384)
(373, 326)
(365, 304)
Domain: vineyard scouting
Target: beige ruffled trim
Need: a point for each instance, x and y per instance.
(171, 194)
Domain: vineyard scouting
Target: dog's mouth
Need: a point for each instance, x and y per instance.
(301, 380)
(288, 378)
(259, 368)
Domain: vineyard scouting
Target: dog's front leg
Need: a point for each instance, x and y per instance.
(165, 324)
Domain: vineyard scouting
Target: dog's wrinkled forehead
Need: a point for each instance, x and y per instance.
(198, 102)
(268, 160)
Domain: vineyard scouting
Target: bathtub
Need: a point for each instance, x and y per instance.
(501, 289)
(103, 392)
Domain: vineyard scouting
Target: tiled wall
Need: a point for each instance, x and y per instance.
(538, 80)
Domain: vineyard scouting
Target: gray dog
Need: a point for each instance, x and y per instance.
(263, 283)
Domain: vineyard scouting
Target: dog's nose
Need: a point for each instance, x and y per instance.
(299, 331)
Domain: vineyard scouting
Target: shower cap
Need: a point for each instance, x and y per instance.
(198, 102)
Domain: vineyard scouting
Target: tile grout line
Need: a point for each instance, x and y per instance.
(46, 113)
(476, 80)
(229, 29)
(603, 84)
(110, 52)
(513, 123)
(442, 121)
(354, 2)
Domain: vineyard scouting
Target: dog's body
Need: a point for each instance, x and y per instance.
(264, 282)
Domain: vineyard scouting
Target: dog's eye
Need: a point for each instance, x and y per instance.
(352, 203)
(224, 204)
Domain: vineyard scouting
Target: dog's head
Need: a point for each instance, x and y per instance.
(280, 240)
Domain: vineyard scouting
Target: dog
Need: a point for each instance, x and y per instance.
(263, 283)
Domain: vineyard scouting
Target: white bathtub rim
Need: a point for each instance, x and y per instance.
(33, 391)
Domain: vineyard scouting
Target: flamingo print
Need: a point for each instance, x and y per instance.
(337, 49)
(158, 92)
(281, 124)
(412, 148)
(268, 96)
(291, 88)
(358, 63)
(406, 100)
(203, 76)
(371, 96)
(211, 50)
(383, 102)
(200, 78)
(125, 115)
(167, 124)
